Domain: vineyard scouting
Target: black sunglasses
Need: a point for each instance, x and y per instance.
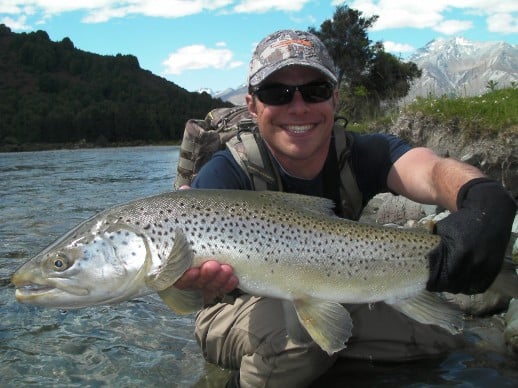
(280, 94)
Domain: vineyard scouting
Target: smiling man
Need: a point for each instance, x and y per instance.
(293, 95)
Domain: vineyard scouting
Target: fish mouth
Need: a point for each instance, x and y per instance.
(31, 290)
(46, 293)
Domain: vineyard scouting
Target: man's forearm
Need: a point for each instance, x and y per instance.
(424, 177)
(448, 176)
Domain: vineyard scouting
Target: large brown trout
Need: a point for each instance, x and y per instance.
(280, 245)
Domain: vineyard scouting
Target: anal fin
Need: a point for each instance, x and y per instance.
(429, 308)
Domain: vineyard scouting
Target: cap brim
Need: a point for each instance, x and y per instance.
(264, 73)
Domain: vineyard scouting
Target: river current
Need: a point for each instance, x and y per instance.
(139, 343)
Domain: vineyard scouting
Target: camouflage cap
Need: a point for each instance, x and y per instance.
(287, 48)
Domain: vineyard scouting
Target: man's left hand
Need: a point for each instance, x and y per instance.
(473, 239)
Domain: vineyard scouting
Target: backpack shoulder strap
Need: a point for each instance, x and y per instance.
(249, 151)
(350, 195)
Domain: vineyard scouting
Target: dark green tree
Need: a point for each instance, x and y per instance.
(368, 76)
(345, 37)
(388, 80)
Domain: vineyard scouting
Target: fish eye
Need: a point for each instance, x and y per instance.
(60, 262)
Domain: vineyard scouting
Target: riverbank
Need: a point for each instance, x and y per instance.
(33, 147)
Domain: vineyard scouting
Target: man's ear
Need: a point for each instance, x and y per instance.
(250, 103)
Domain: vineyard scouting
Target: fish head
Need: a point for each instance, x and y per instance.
(94, 264)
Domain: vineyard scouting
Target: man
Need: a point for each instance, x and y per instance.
(293, 95)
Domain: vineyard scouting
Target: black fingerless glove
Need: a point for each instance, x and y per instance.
(473, 239)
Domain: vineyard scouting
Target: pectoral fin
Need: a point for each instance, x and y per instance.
(328, 323)
(177, 262)
(182, 301)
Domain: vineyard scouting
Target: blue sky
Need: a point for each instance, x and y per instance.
(208, 43)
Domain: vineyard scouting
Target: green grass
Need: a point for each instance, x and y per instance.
(481, 115)
(485, 115)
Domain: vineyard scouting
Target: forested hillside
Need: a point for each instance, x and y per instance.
(51, 92)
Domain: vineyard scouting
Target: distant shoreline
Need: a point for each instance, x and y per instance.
(34, 147)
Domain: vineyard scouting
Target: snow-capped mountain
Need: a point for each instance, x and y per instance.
(235, 96)
(463, 68)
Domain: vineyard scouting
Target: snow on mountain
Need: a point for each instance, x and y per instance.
(235, 96)
(461, 67)
(206, 90)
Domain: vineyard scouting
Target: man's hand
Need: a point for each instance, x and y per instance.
(473, 239)
(213, 278)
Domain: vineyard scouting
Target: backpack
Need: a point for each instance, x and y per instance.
(202, 138)
(236, 129)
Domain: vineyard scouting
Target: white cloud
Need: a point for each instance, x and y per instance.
(453, 27)
(503, 23)
(9, 7)
(394, 47)
(197, 57)
(434, 14)
(153, 8)
(401, 13)
(103, 10)
(251, 6)
(18, 24)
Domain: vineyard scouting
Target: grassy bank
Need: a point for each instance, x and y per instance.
(481, 115)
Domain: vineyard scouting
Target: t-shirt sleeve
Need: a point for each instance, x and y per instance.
(221, 172)
(372, 157)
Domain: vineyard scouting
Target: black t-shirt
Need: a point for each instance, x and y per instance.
(372, 157)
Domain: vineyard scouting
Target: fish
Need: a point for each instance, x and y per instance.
(280, 245)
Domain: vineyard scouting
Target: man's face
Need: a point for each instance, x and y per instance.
(298, 131)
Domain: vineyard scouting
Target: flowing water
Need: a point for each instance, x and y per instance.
(139, 343)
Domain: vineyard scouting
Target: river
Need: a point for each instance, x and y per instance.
(139, 343)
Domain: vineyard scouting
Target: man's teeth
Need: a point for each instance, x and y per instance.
(298, 128)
